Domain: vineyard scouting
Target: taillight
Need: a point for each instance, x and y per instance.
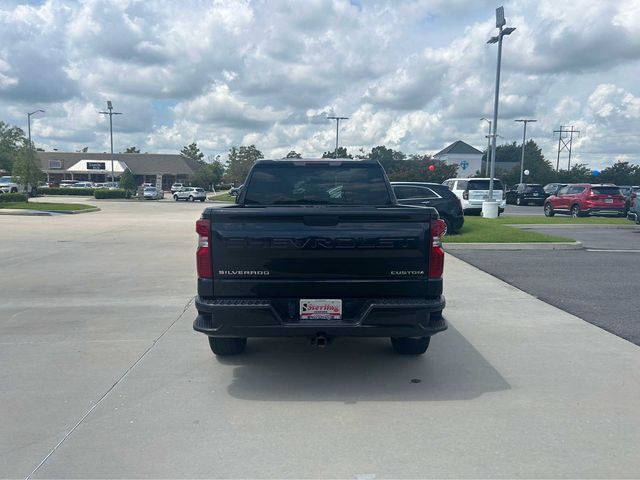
(436, 257)
(203, 253)
(465, 194)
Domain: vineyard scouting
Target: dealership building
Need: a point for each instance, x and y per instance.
(157, 168)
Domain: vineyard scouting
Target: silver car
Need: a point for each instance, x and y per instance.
(152, 193)
(190, 194)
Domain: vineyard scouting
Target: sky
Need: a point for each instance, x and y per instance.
(413, 75)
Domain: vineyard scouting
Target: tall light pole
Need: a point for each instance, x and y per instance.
(29, 123)
(524, 138)
(500, 23)
(486, 168)
(337, 119)
(111, 113)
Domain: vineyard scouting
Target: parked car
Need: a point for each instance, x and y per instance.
(633, 213)
(176, 187)
(190, 194)
(473, 192)
(7, 185)
(627, 190)
(582, 199)
(152, 193)
(319, 250)
(525, 194)
(552, 188)
(433, 195)
(82, 185)
(67, 183)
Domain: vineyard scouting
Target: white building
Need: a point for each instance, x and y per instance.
(468, 158)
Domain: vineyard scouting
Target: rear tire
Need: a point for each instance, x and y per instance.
(518, 201)
(575, 211)
(448, 226)
(227, 346)
(548, 210)
(190, 199)
(410, 346)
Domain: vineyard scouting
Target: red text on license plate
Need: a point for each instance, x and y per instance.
(320, 309)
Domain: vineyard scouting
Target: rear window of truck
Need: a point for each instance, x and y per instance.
(322, 184)
(484, 185)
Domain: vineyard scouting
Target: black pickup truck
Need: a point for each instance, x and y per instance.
(321, 249)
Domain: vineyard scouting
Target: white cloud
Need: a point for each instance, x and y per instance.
(414, 75)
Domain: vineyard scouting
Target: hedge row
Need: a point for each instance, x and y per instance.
(66, 191)
(12, 197)
(106, 193)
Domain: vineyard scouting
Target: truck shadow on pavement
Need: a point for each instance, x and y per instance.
(354, 370)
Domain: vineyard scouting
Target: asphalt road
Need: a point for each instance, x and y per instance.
(600, 284)
(535, 210)
(102, 375)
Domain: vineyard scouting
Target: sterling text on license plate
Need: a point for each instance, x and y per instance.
(321, 309)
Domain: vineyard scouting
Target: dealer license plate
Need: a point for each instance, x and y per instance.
(320, 309)
(608, 200)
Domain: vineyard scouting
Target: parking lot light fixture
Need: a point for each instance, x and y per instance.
(500, 23)
(29, 123)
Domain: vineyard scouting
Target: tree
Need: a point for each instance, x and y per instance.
(416, 169)
(620, 173)
(241, 159)
(26, 168)
(209, 175)
(132, 149)
(390, 159)
(11, 140)
(342, 153)
(128, 181)
(578, 173)
(540, 170)
(293, 154)
(192, 151)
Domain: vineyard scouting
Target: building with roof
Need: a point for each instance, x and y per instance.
(468, 158)
(96, 167)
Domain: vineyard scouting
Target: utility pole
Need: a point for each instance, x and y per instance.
(500, 23)
(564, 145)
(524, 138)
(111, 113)
(337, 119)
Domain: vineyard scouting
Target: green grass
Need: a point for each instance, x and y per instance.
(222, 197)
(47, 207)
(558, 220)
(484, 230)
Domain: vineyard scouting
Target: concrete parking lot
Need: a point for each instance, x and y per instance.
(102, 375)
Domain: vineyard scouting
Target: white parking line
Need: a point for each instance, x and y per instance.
(611, 250)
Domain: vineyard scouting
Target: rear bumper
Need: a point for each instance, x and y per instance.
(393, 317)
(604, 211)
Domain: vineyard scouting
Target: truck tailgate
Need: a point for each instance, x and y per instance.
(320, 252)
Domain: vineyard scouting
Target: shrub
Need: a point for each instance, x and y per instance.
(105, 193)
(12, 197)
(66, 191)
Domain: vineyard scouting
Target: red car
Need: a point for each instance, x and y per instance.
(583, 199)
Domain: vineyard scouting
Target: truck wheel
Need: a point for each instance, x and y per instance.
(410, 346)
(227, 346)
(175, 197)
(190, 199)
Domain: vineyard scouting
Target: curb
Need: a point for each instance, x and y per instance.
(24, 212)
(44, 213)
(514, 246)
(569, 225)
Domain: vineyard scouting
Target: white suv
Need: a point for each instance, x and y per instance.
(472, 192)
(190, 194)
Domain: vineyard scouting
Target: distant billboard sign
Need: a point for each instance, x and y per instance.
(95, 165)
